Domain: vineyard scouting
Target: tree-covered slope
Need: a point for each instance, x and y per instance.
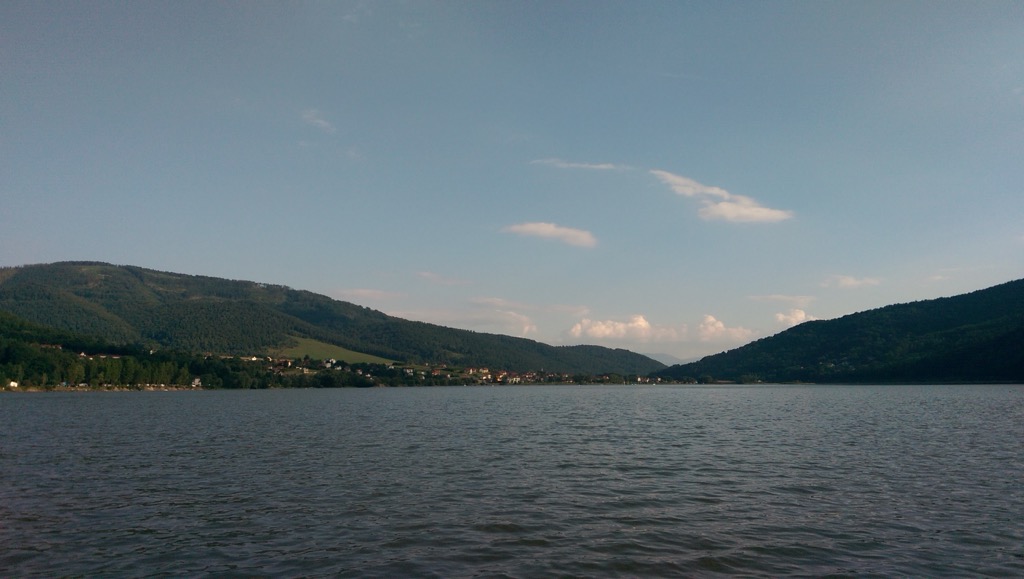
(15, 329)
(127, 304)
(974, 337)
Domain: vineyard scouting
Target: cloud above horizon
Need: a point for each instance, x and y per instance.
(719, 204)
(523, 322)
(439, 279)
(849, 282)
(568, 235)
(712, 329)
(487, 320)
(794, 317)
(637, 328)
(315, 118)
(561, 164)
(502, 303)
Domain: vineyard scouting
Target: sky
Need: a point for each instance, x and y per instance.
(672, 177)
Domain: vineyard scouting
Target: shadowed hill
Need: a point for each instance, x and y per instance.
(974, 337)
(133, 305)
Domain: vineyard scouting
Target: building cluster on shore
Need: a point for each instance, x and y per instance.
(417, 374)
(127, 372)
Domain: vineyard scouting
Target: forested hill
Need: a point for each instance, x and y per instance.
(975, 337)
(133, 305)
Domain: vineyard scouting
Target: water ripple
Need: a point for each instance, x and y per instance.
(515, 482)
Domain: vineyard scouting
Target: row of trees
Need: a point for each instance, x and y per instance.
(39, 366)
(39, 357)
(33, 365)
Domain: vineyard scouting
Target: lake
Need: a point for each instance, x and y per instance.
(520, 481)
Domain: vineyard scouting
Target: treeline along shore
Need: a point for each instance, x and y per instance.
(32, 367)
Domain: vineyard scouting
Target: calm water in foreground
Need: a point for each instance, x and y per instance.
(515, 481)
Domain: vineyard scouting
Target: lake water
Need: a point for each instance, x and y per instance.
(515, 481)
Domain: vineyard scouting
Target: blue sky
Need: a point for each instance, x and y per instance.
(667, 177)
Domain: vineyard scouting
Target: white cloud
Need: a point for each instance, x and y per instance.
(688, 187)
(952, 273)
(440, 279)
(742, 210)
(577, 237)
(636, 329)
(560, 164)
(575, 311)
(712, 329)
(849, 282)
(315, 118)
(523, 323)
(721, 204)
(794, 317)
(501, 303)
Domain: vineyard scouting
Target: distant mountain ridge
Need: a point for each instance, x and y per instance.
(133, 305)
(974, 337)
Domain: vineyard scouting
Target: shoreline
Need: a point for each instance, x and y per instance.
(139, 388)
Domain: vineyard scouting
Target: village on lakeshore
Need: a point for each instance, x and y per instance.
(306, 371)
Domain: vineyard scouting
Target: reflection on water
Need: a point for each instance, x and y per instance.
(521, 481)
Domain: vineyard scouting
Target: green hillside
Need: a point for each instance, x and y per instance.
(323, 351)
(975, 337)
(133, 305)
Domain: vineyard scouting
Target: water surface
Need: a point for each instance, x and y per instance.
(515, 481)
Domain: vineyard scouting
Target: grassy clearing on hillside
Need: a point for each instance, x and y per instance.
(323, 351)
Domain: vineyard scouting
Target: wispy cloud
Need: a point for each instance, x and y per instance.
(794, 317)
(711, 329)
(439, 279)
(577, 237)
(637, 329)
(850, 282)
(950, 273)
(315, 118)
(502, 303)
(511, 313)
(522, 322)
(354, 154)
(719, 204)
(560, 164)
(496, 321)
